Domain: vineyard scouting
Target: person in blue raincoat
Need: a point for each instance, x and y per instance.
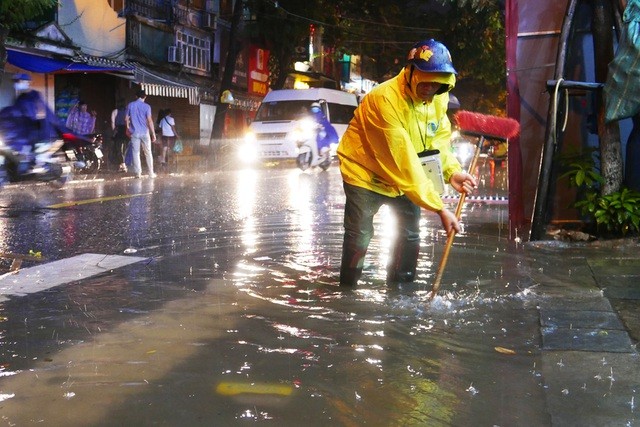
(327, 134)
(29, 120)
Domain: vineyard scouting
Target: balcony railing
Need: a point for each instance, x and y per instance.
(164, 10)
(154, 9)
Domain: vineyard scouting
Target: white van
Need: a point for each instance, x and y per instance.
(272, 133)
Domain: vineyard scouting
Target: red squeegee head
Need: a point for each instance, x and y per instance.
(491, 127)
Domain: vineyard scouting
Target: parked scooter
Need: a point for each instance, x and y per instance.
(85, 153)
(46, 164)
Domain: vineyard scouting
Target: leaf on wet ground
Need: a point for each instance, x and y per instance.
(504, 350)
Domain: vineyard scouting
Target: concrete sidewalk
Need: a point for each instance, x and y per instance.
(589, 324)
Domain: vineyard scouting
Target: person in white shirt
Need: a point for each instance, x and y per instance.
(169, 136)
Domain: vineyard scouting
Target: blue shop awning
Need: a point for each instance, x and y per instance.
(44, 64)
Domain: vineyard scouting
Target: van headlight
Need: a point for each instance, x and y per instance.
(250, 138)
(248, 149)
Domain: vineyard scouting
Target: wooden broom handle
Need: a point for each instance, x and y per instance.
(447, 247)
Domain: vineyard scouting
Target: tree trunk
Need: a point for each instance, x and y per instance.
(3, 50)
(227, 76)
(611, 166)
(284, 64)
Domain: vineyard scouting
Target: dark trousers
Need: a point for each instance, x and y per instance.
(120, 142)
(360, 208)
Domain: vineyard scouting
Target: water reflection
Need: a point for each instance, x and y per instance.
(246, 199)
(301, 201)
(139, 214)
(374, 347)
(242, 322)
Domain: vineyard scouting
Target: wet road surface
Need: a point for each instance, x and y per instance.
(230, 314)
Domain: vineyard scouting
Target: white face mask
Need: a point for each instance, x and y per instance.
(21, 85)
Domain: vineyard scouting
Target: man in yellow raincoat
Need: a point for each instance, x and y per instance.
(379, 161)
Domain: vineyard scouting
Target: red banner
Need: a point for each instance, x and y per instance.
(258, 71)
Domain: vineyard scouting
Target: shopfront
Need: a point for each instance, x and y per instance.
(100, 92)
(65, 80)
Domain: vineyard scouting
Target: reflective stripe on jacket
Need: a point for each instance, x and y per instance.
(379, 149)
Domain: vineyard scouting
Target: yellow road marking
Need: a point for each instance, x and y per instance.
(98, 200)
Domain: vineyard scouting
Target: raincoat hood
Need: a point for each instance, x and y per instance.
(413, 76)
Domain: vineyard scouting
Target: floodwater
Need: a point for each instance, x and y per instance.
(236, 319)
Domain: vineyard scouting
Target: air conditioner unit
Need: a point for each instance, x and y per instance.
(212, 6)
(175, 54)
(210, 20)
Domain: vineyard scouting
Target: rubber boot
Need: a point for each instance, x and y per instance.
(349, 276)
(403, 261)
(352, 261)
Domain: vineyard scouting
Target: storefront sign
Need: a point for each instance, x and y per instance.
(239, 78)
(258, 71)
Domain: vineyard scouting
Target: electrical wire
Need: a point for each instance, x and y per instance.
(363, 21)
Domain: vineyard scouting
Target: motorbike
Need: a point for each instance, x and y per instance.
(45, 164)
(85, 152)
(306, 135)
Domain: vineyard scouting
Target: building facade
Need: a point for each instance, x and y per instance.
(102, 52)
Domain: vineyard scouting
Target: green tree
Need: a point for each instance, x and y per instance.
(473, 30)
(13, 15)
(382, 32)
(375, 30)
(281, 27)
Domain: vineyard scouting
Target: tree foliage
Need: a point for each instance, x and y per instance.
(281, 27)
(373, 29)
(382, 32)
(473, 30)
(14, 13)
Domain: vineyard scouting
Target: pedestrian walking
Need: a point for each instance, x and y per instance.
(169, 136)
(80, 120)
(140, 126)
(380, 164)
(119, 133)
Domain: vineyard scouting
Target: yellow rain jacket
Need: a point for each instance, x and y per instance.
(379, 149)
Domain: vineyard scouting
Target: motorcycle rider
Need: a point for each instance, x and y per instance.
(29, 122)
(326, 134)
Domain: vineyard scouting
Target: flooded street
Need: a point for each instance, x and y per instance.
(228, 313)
